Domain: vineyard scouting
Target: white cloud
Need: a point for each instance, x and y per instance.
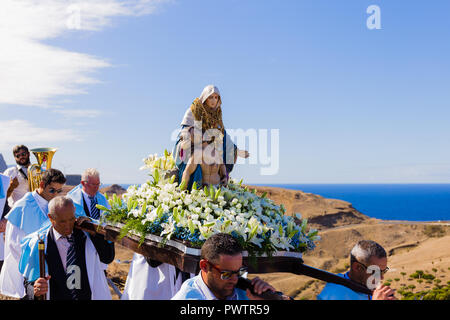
(37, 74)
(79, 113)
(23, 132)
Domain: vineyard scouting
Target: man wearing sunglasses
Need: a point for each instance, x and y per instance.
(18, 175)
(368, 264)
(27, 216)
(221, 265)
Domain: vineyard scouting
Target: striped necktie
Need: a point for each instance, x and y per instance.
(95, 213)
(71, 261)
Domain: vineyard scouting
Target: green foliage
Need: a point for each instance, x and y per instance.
(438, 292)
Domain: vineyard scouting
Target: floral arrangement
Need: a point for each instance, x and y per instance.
(163, 208)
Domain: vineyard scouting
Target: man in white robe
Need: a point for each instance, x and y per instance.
(27, 216)
(4, 184)
(73, 257)
(18, 174)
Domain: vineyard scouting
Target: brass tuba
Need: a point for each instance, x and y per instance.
(44, 158)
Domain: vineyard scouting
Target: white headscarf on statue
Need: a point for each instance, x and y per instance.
(188, 119)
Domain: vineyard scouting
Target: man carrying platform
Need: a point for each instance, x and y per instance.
(86, 196)
(28, 215)
(367, 261)
(221, 264)
(73, 257)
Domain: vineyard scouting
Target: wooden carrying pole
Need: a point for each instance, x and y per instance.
(41, 247)
(190, 263)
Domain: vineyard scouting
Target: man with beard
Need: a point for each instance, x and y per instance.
(221, 265)
(18, 175)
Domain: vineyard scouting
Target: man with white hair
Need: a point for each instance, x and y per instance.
(368, 264)
(86, 196)
(73, 257)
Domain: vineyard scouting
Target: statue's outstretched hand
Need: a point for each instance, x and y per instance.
(243, 154)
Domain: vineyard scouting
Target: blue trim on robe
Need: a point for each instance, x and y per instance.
(29, 258)
(27, 215)
(2, 190)
(197, 175)
(76, 194)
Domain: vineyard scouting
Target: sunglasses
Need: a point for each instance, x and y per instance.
(382, 271)
(53, 190)
(22, 154)
(226, 275)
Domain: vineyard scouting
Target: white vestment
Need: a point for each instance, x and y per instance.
(147, 283)
(4, 180)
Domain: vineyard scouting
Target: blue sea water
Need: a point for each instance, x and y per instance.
(412, 202)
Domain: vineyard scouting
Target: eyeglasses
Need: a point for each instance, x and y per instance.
(382, 271)
(22, 154)
(93, 184)
(226, 275)
(53, 190)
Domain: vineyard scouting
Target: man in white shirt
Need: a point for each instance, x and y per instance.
(27, 216)
(18, 174)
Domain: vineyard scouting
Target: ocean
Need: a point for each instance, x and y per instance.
(412, 202)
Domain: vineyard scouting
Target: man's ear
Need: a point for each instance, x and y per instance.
(203, 265)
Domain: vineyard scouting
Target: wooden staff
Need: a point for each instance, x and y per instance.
(41, 247)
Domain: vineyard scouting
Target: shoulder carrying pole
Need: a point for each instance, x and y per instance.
(41, 247)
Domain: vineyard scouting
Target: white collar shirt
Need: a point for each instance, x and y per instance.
(63, 246)
(42, 203)
(206, 292)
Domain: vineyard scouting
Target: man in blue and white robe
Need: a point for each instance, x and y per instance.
(27, 216)
(86, 195)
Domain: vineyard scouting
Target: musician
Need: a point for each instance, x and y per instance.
(27, 216)
(73, 257)
(365, 256)
(220, 264)
(19, 175)
(86, 196)
(4, 184)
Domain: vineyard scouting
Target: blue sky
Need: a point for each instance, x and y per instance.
(352, 105)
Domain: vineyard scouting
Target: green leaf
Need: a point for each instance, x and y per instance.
(103, 208)
(166, 154)
(191, 226)
(217, 194)
(264, 195)
(194, 185)
(159, 211)
(183, 185)
(205, 189)
(156, 175)
(211, 191)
